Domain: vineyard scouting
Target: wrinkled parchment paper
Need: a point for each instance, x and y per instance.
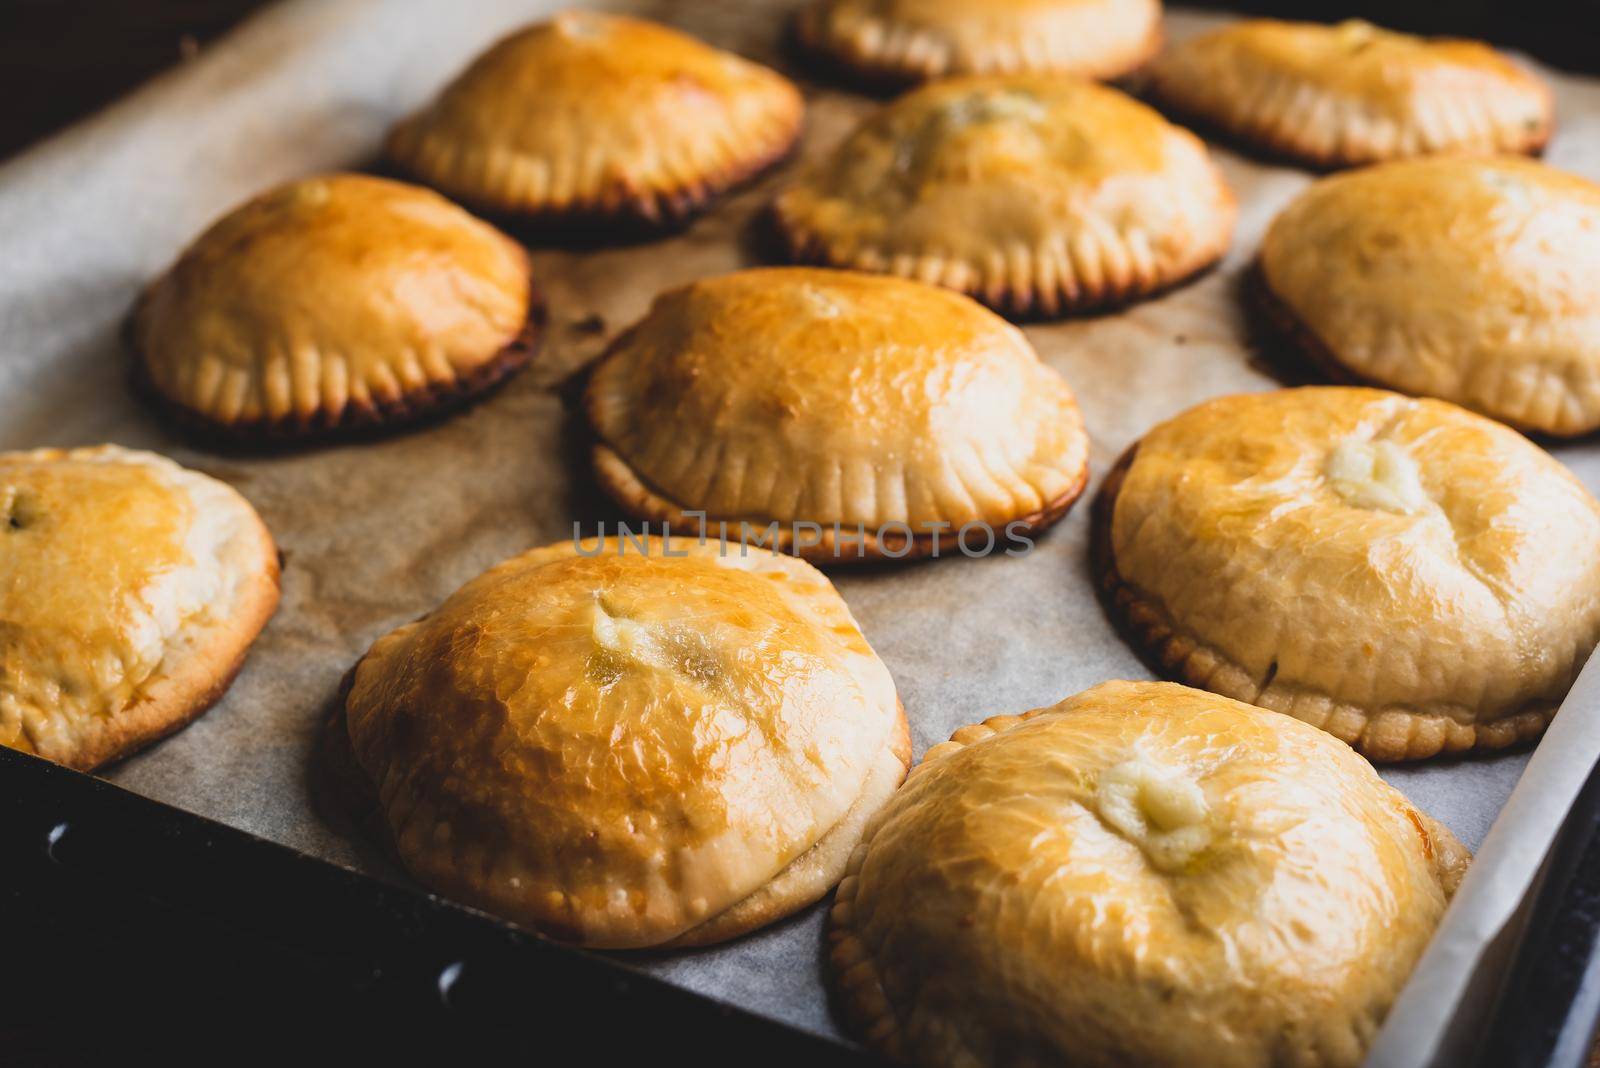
(375, 534)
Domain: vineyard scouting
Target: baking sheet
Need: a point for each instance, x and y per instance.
(375, 534)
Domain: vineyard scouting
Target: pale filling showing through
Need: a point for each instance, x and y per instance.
(622, 645)
(1379, 475)
(1160, 809)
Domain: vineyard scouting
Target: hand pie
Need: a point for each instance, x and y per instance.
(1468, 280)
(600, 119)
(853, 416)
(130, 590)
(1409, 576)
(1346, 95)
(1037, 195)
(334, 304)
(626, 744)
(1143, 874)
(898, 41)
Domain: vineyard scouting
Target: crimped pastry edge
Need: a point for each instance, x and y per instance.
(1278, 139)
(641, 209)
(1274, 321)
(1387, 735)
(209, 660)
(898, 67)
(357, 419)
(1024, 298)
(856, 982)
(628, 489)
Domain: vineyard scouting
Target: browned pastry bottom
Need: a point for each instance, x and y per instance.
(356, 420)
(1388, 736)
(623, 485)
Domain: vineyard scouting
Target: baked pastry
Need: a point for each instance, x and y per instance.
(851, 416)
(1502, 321)
(1037, 195)
(626, 744)
(334, 304)
(1351, 94)
(130, 591)
(1410, 577)
(1142, 874)
(602, 121)
(899, 41)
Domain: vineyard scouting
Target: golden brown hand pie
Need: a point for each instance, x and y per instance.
(852, 416)
(626, 746)
(1469, 280)
(130, 590)
(1143, 874)
(898, 41)
(334, 304)
(1409, 576)
(603, 120)
(1346, 95)
(1038, 195)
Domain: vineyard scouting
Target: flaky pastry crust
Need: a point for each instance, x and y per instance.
(1506, 324)
(790, 396)
(625, 747)
(1138, 873)
(1442, 605)
(334, 304)
(901, 41)
(130, 592)
(605, 119)
(1038, 195)
(1352, 94)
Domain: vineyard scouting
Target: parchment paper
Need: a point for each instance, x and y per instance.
(378, 533)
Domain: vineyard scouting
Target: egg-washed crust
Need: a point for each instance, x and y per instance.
(1275, 324)
(1017, 292)
(634, 198)
(358, 419)
(1076, 252)
(1386, 735)
(884, 57)
(623, 485)
(802, 882)
(809, 877)
(856, 982)
(200, 663)
(1279, 135)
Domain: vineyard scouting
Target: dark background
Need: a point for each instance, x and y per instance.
(61, 59)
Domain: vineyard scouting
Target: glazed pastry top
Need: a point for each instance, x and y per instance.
(971, 169)
(790, 393)
(330, 291)
(589, 106)
(1382, 551)
(617, 747)
(1507, 323)
(108, 558)
(1137, 872)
